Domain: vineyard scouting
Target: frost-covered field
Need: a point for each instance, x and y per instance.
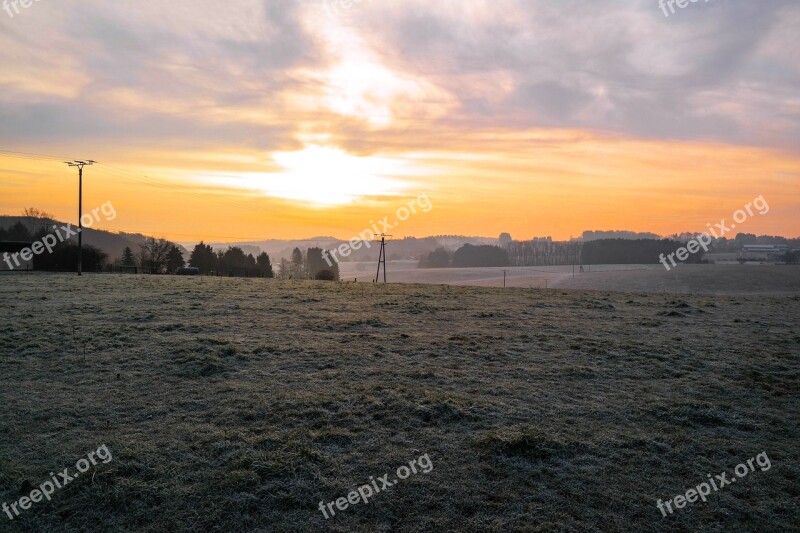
(686, 279)
(239, 405)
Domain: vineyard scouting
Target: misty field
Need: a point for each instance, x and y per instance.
(685, 279)
(240, 404)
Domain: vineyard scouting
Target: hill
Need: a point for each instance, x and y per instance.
(112, 243)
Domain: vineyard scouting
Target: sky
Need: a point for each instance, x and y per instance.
(259, 119)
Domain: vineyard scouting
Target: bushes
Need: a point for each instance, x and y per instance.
(325, 275)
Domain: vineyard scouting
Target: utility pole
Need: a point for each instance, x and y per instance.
(504, 278)
(80, 165)
(382, 257)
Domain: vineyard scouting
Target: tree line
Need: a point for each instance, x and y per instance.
(155, 256)
(234, 262)
(631, 252)
(545, 252)
(160, 256)
(467, 256)
(63, 258)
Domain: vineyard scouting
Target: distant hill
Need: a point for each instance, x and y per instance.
(111, 243)
(408, 248)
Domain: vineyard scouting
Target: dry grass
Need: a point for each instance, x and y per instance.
(234, 404)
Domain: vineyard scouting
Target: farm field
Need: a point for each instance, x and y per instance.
(240, 404)
(686, 279)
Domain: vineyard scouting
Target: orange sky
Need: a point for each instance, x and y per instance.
(306, 120)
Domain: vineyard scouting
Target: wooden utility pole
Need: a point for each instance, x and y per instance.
(382, 257)
(80, 165)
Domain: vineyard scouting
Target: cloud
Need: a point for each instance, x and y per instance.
(265, 72)
(605, 65)
(199, 70)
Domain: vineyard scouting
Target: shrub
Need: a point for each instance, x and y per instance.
(325, 275)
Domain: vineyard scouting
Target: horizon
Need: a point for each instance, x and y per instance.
(257, 240)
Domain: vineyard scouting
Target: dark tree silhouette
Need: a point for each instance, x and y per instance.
(236, 263)
(543, 252)
(265, 265)
(298, 269)
(480, 256)
(17, 232)
(127, 258)
(154, 253)
(203, 258)
(174, 260)
(64, 258)
(315, 263)
(628, 252)
(439, 258)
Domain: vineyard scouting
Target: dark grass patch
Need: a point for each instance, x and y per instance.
(527, 443)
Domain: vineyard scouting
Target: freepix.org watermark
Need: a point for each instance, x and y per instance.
(702, 490)
(50, 240)
(364, 238)
(717, 231)
(48, 488)
(365, 492)
(663, 4)
(8, 5)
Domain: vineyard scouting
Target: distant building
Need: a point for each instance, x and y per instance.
(505, 239)
(589, 236)
(9, 248)
(769, 253)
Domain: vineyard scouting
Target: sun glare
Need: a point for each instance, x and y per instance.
(325, 176)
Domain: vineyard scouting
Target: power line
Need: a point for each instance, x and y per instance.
(185, 190)
(32, 156)
(200, 235)
(154, 182)
(140, 178)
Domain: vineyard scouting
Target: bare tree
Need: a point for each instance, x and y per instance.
(284, 270)
(33, 212)
(154, 253)
(36, 218)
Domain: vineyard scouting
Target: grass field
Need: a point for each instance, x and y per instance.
(685, 279)
(235, 404)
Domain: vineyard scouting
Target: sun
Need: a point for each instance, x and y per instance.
(327, 176)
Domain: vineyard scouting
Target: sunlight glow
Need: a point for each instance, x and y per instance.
(324, 176)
